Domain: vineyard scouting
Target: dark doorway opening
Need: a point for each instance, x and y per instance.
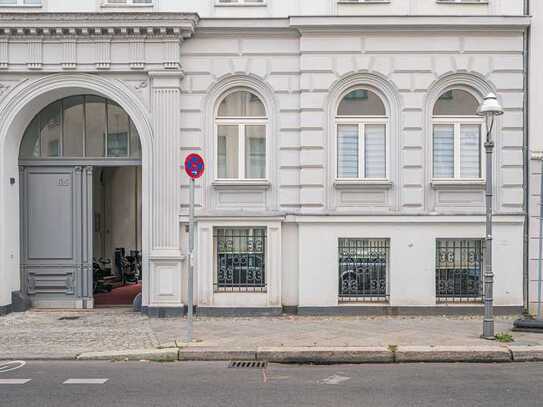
(117, 269)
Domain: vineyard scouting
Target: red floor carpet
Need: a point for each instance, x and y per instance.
(118, 296)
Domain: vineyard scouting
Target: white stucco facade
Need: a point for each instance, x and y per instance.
(535, 152)
(169, 65)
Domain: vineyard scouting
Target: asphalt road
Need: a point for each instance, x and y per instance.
(103, 384)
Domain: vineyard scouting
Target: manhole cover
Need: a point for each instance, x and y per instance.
(68, 318)
(248, 364)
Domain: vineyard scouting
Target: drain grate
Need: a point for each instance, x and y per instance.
(252, 364)
(68, 318)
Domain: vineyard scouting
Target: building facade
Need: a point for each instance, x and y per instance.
(344, 159)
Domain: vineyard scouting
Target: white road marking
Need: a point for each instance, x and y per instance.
(85, 381)
(13, 365)
(335, 379)
(14, 381)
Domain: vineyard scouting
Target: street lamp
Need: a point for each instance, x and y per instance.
(489, 109)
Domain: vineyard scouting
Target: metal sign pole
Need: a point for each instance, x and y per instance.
(191, 263)
(194, 167)
(540, 260)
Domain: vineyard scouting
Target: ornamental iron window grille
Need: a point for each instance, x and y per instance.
(459, 264)
(363, 268)
(240, 259)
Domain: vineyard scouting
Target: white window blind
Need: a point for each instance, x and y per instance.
(444, 151)
(347, 147)
(375, 151)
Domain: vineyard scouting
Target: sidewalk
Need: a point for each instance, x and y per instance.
(68, 334)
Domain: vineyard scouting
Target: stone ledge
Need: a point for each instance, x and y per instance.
(158, 355)
(325, 355)
(216, 354)
(445, 354)
(526, 353)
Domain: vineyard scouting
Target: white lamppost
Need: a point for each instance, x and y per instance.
(489, 109)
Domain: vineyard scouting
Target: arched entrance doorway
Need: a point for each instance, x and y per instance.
(80, 202)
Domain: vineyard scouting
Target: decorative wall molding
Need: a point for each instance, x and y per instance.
(88, 41)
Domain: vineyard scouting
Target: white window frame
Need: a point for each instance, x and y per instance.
(21, 3)
(241, 123)
(457, 122)
(240, 289)
(361, 122)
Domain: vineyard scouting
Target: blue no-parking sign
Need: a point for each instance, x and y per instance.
(194, 166)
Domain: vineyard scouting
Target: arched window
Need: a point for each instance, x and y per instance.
(241, 127)
(362, 129)
(84, 126)
(457, 130)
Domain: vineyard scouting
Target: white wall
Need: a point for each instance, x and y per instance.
(298, 79)
(284, 8)
(412, 257)
(536, 146)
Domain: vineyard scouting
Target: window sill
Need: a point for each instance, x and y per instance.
(462, 2)
(240, 5)
(128, 6)
(364, 2)
(238, 184)
(363, 184)
(458, 183)
(19, 6)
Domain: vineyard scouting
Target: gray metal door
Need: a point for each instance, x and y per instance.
(56, 207)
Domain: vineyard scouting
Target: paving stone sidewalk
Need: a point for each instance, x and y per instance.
(65, 334)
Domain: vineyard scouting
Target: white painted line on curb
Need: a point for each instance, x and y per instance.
(85, 381)
(14, 381)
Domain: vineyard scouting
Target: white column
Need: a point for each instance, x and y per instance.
(165, 257)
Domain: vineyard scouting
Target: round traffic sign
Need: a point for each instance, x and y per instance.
(194, 165)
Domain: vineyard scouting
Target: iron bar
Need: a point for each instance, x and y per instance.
(363, 268)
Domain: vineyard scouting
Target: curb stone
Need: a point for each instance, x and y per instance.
(527, 353)
(325, 355)
(318, 355)
(466, 354)
(155, 355)
(216, 354)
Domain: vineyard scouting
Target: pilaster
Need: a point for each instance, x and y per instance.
(166, 257)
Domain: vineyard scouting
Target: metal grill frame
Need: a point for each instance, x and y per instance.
(379, 294)
(240, 280)
(460, 290)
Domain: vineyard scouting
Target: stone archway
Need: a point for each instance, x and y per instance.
(16, 110)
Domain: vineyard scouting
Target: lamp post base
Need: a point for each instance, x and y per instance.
(488, 338)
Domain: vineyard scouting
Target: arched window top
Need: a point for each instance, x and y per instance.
(84, 126)
(241, 103)
(456, 102)
(361, 102)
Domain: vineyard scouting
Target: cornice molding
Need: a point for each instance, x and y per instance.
(151, 24)
(483, 23)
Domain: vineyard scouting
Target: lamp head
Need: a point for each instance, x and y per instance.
(490, 106)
